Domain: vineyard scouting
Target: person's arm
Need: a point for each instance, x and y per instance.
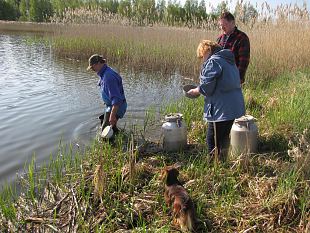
(113, 118)
(208, 77)
(244, 57)
(194, 91)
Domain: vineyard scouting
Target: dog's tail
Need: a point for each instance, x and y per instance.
(189, 220)
(184, 218)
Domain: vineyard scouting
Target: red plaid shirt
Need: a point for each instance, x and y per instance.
(238, 42)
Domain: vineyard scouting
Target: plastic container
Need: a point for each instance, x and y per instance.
(188, 87)
(174, 132)
(107, 132)
(244, 135)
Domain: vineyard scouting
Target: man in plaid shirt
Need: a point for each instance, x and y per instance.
(235, 40)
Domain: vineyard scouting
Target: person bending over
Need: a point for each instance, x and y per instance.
(111, 90)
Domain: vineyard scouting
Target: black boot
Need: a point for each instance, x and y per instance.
(101, 118)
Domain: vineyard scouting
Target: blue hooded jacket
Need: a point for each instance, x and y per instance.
(220, 84)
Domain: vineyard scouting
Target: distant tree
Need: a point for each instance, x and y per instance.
(202, 10)
(222, 7)
(46, 9)
(125, 9)
(161, 10)
(144, 11)
(8, 10)
(24, 10)
(109, 6)
(189, 11)
(174, 13)
(14, 4)
(40, 10)
(201, 14)
(34, 11)
(245, 13)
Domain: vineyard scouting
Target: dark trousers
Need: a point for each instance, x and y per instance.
(222, 137)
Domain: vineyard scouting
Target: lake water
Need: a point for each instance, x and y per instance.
(44, 99)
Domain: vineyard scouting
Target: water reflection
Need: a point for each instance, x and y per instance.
(44, 100)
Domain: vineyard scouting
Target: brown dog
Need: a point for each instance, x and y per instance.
(177, 198)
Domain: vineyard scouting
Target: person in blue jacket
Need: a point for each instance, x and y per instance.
(111, 90)
(223, 98)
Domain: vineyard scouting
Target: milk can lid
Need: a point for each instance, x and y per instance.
(245, 118)
(173, 117)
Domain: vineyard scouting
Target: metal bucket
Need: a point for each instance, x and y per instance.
(244, 135)
(174, 132)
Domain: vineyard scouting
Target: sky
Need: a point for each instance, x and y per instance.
(271, 3)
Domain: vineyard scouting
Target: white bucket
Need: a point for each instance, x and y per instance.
(107, 132)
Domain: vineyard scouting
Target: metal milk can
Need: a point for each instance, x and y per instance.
(244, 135)
(174, 132)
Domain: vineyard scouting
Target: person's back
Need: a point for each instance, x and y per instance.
(220, 85)
(111, 90)
(224, 100)
(235, 40)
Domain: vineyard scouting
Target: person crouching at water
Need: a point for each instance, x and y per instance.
(223, 98)
(111, 90)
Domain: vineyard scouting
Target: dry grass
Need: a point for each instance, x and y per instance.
(275, 49)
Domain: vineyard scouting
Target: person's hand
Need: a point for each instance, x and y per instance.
(194, 92)
(112, 120)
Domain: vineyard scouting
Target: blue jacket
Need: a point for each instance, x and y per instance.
(220, 84)
(111, 90)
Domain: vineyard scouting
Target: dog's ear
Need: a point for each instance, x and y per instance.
(175, 172)
(163, 174)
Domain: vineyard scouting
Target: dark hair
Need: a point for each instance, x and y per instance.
(227, 15)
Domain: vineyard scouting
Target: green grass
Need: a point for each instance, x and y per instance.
(227, 197)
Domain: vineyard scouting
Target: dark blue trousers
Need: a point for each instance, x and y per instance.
(222, 136)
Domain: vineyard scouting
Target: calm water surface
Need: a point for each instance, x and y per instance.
(44, 100)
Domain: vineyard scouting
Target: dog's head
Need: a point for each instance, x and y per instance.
(169, 175)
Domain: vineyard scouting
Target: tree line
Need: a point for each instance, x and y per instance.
(141, 12)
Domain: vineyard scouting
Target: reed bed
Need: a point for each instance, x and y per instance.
(274, 51)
